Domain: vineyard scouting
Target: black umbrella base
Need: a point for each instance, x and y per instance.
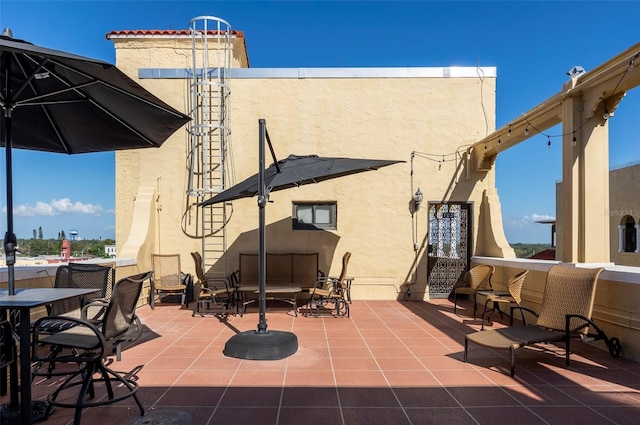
(11, 415)
(268, 345)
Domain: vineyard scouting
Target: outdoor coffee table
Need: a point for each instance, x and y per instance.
(23, 301)
(272, 292)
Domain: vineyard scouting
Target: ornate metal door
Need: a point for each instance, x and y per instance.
(449, 247)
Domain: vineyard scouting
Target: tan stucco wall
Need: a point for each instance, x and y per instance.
(381, 118)
(624, 201)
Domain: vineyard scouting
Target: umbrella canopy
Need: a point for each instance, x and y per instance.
(296, 171)
(55, 101)
(60, 102)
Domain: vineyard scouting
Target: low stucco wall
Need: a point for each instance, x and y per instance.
(617, 303)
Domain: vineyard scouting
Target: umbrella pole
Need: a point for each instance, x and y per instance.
(262, 203)
(262, 344)
(10, 241)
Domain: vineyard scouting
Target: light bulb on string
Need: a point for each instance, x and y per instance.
(526, 131)
(574, 141)
(549, 142)
(509, 131)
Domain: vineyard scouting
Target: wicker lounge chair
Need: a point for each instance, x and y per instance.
(478, 278)
(566, 310)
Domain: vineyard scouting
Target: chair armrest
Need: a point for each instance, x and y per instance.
(102, 304)
(522, 311)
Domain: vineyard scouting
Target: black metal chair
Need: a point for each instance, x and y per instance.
(75, 275)
(79, 275)
(87, 345)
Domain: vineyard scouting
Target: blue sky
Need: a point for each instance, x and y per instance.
(532, 45)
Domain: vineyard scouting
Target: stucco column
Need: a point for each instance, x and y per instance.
(637, 226)
(621, 238)
(585, 179)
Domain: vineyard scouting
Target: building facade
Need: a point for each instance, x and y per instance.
(427, 117)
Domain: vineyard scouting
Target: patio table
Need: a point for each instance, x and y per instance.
(23, 301)
(274, 292)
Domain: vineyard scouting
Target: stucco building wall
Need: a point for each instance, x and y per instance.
(379, 117)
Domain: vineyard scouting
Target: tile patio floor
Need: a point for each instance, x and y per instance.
(392, 362)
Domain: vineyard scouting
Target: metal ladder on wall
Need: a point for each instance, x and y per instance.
(208, 154)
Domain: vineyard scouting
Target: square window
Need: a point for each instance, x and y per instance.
(309, 215)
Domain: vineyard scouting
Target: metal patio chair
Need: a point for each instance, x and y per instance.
(210, 295)
(330, 290)
(87, 346)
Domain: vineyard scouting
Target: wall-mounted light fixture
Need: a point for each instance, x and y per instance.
(417, 200)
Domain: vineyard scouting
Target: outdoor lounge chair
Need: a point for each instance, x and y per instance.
(88, 346)
(478, 278)
(567, 304)
(167, 279)
(211, 295)
(331, 290)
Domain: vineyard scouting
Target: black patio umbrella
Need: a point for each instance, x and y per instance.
(55, 101)
(294, 171)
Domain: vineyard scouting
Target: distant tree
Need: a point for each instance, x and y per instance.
(40, 233)
(34, 233)
(62, 235)
(524, 250)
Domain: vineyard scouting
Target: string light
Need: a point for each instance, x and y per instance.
(526, 131)
(549, 141)
(499, 141)
(573, 142)
(509, 131)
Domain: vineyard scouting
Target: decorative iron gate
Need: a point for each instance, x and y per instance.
(449, 247)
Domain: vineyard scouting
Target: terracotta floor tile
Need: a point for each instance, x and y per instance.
(367, 378)
(375, 416)
(309, 378)
(245, 416)
(401, 378)
(417, 396)
(508, 415)
(440, 415)
(309, 416)
(310, 397)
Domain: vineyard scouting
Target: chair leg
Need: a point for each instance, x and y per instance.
(475, 305)
(466, 347)
(512, 358)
